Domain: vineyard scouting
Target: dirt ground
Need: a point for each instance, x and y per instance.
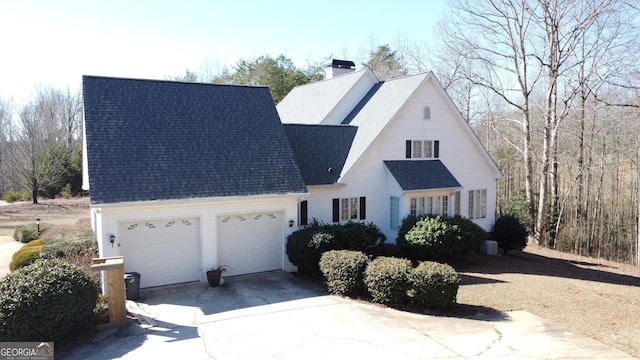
(593, 297)
(55, 212)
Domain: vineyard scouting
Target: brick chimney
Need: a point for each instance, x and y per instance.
(338, 67)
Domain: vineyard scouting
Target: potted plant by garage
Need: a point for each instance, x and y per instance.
(215, 275)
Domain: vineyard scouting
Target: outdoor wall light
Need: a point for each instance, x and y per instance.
(38, 224)
(112, 239)
(291, 222)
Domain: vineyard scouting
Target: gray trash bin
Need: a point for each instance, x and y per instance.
(132, 285)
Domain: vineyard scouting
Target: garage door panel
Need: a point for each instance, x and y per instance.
(163, 252)
(251, 243)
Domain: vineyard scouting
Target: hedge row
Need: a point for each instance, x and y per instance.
(390, 280)
(306, 246)
(26, 255)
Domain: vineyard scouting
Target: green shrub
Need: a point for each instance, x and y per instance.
(72, 241)
(343, 271)
(432, 237)
(407, 224)
(356, 235)
(26, 255)
(29, 232)
(471, 233)
(387, 280)
(436, 236)
(510, 233)
(65, 192)
(11, 196)
(434, 285)
(46, 300)
(305, 247)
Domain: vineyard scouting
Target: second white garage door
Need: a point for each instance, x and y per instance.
(251, 243)
(163, 251)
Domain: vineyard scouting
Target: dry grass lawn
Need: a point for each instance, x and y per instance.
(596, 298)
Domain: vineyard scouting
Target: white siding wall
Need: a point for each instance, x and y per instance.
(370, 178)
(108, 218)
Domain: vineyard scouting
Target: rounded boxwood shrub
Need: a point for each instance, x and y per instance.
(46, 300)
(356, 235)
(29, 232)
(387, 280)
(434, 285)
(343, 271)
(26, 255)
(305, 247)
(471, 233)
(436, 236)
(510, 233)
(432, 237)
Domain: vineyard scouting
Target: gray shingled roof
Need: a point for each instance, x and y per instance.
(158, 140)
(320, 150)
(422, 174)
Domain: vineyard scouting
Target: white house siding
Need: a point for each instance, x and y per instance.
(370, 178)
(457, 151)
(108, 220)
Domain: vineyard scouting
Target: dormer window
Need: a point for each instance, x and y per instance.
(422, 149)
(427, 113)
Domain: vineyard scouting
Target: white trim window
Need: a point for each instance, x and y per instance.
(353, 208)
(478, 204)
(422, 149)
(429, 205)
(456, 203)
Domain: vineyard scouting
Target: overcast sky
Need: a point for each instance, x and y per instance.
(55, 42)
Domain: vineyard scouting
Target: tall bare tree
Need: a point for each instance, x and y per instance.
(494, 37)
(40, 139)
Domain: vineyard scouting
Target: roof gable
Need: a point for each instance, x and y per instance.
(320, 150)
(422, 174)
(376, 110)
(327, 101)
(157, 140)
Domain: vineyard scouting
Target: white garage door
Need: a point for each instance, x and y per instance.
(163, 251)
(251, 243)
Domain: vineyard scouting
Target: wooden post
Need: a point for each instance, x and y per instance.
(114, 268)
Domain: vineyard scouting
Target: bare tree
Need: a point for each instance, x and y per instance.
(493, 37)
(40, 140)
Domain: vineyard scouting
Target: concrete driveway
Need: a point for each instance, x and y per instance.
(8, 246)
(279, 316)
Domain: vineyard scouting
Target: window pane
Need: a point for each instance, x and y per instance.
(394, 221)
(417, 149)
(422, 210)
(436, 205)
(445, 205)
(414, 206)
(456, 206)
(427, 149)
(429, 206)
(483, 200)
(344, 209)
(471, 204)
(353, 208)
